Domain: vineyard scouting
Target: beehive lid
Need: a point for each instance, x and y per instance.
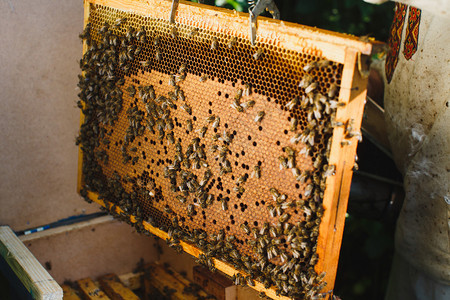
(239, 155)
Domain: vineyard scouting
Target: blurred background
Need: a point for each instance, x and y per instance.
(376, 193)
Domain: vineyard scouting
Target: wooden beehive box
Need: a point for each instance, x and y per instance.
(239, 155)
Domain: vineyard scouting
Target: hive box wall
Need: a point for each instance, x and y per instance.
(39, 57)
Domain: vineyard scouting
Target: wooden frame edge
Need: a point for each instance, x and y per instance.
(290, 35)
(192, 250)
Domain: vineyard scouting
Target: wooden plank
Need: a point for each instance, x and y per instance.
(115, 289)
(69, 293)
(291, 36)
(132, 280)
(34, 277)
(353, 94)
(65, 229)
(184, 280)
(149, 291)
(163, 281)
(90, 290)
(213, 283)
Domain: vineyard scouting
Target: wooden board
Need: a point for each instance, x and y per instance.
(91, 290)
(26, 267)
(213, 283)
(342, 55)
(164, 281)
(69, 293)
(115, 289)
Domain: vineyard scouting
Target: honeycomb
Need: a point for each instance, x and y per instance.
(219, 143)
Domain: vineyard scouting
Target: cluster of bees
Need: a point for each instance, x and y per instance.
(111, 50)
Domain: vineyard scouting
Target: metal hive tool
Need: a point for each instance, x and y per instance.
(259, 185)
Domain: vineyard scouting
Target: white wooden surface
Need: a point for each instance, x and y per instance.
(30, 272)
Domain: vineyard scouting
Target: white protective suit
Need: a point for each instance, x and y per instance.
(417, 108)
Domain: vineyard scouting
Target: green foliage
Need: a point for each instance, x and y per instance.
(365, 259)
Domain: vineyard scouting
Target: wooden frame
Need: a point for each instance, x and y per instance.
(341, 48)
(30, 272)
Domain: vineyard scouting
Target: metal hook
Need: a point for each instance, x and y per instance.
(256, 9)
(173, 11)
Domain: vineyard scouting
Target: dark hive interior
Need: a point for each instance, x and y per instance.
(211, 140)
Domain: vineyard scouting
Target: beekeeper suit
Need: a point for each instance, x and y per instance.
(417, 111)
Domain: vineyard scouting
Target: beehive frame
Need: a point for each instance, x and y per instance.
(299, 44)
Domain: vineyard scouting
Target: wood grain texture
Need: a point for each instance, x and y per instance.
(34, 277)
(69, 293)
(91, 251)
(213, 283)
(352, 93)
(91, 290)
(288, 35)
(115, 289)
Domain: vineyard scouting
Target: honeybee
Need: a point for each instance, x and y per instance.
(156, 40)
(330, 170)
(323, 63)
(224, 204)
(216, 122)
(245, 228)
(237, 105)
(304, 176)
(174, 32)
(146, 63)
(239, 189)
(248, 104)
(214, 44)
(120, 21)
(283, 162)
(193, 32)
(210, 118)
(203, 78)
(332, 91)
(258, 53)
(202, 131)
(289, 151)
(306, 81)
(259, 116)
(131, 91)
(170, 138)
(311, 87)
(310, 66)
(346, 143)
(232, 42)
(157, 55)
(308, 190)
(295, 172)
(294, 123)
(190, 210)
(283, 218)
(256, 172)
(186, 108)
(291, 104)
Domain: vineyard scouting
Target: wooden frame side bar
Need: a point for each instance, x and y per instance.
(343, 151)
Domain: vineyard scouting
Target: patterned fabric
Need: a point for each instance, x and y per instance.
(412, 32)
(395, 39)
